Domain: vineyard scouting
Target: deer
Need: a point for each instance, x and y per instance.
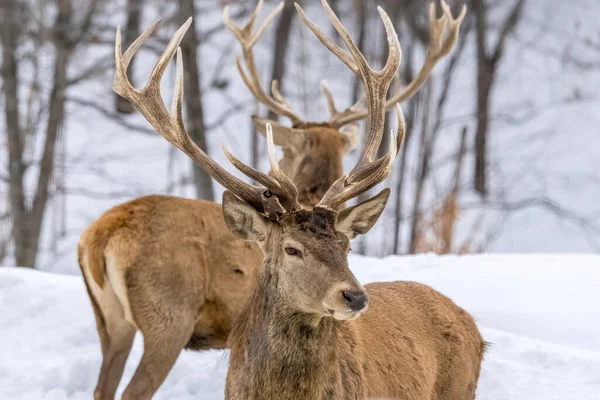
(169, 267)
(310, 330)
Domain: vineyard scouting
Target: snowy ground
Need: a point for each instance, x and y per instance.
(539, 311)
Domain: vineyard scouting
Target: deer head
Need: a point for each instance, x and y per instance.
(313, 151)
(306, 250)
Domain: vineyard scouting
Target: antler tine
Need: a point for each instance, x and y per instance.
(439, 46)
(285, 183)
(329, 97)
(401, 134)
(330, 44)
(251, 78)
(366, 173)
(148, 100)
(135, 46)
(333, 111)
(278, 199)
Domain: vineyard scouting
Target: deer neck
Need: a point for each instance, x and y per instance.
(277, 352)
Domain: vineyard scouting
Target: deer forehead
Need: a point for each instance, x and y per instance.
(316, 231)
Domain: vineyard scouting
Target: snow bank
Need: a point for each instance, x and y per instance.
(540, 312)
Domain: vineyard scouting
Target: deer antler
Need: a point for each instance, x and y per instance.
(333, 111)
(439, 46)
(248, 39)
(280, 196)
(367, 172)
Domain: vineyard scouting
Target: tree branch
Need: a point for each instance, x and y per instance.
(111, 115)
(544, 203)
(507, 27)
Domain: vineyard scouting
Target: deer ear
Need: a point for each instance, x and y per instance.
(243, 220)
(359, 219)
(350, 135)
(282, 135)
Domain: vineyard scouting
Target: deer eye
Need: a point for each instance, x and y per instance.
(293, 252)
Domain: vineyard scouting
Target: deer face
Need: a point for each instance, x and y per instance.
(312, 265)
(307, 253)
(312, 156)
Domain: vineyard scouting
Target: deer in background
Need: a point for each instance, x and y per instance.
(313, 151)
(169, 267)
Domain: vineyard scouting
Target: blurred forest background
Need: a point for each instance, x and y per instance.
(501, 153)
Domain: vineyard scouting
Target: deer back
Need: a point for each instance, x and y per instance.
(183, 244)
(416, 343)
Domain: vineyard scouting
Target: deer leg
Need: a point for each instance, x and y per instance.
(116, 339)
(161, 349)
(165, 311)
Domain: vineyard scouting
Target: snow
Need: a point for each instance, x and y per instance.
(540, 312)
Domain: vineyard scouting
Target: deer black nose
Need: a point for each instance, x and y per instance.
(357, 301)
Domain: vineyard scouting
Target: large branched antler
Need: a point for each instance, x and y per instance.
(248, 39)
(281, 194)
(367, 172)
(440, 44)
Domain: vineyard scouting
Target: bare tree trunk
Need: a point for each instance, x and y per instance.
(193, 98)
(486, 75)
(5, 236)
(27, 221)
(410, 121)
(423, 168)
(132, 31)
(10, 31)
(55, 119)
(413, 108)
(485, 80)
(362, 15)
(27, 224)
(282, 35)
(449, 212)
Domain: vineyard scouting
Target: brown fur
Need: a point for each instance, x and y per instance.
(180, 270)
(412, 343)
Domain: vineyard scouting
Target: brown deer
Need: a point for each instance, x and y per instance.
(169, 267)
(300, 335)
(305, 332)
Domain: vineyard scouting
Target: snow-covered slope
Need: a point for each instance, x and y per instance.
(539, 312)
